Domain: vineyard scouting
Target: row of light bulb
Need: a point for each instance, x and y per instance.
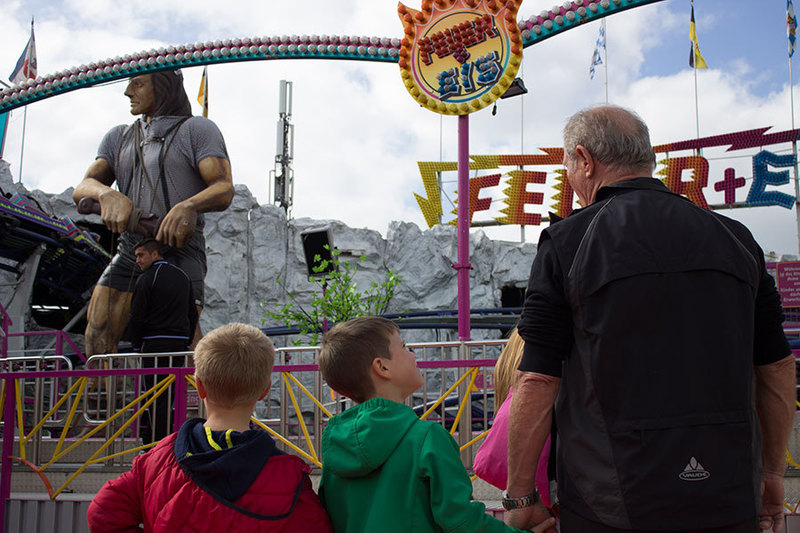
(182, 54)
(324, 45)
(568, 12)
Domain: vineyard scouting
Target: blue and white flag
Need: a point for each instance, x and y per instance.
(597, 58)
(791, 27)
(26, 65)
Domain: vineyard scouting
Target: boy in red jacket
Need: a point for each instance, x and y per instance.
(216, 474)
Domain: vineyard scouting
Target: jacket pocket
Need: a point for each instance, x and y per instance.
(707, 465)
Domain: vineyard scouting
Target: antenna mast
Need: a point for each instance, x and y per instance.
(282, 177)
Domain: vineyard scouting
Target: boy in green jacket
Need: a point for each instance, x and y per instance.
(385, 470)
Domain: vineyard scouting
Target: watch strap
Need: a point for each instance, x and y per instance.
(510, 504)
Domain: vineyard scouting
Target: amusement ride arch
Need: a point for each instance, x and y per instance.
(534, 29)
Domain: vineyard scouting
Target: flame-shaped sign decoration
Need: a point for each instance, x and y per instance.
(459, 56)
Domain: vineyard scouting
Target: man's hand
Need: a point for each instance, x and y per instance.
(536, 518)
(548, 526)
(177, 228)
(115, 210)
(771, 516)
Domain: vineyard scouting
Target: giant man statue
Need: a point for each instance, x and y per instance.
(167, 163)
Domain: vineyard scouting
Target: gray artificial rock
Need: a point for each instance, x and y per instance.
(227, 249)
(255, 256)
(267, 261)
(6, 178)
(7, 280)
(423, 259)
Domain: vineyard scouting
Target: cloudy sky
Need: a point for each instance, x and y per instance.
(358, 134)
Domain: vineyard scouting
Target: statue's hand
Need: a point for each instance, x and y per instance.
(115, 210)
(177, 228)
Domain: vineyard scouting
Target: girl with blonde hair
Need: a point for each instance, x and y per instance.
(491, 459)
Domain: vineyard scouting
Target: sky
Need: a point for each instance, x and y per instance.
(359, 134)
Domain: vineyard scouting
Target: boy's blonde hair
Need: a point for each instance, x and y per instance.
(234, 362)
(348, 350)
(506, 366)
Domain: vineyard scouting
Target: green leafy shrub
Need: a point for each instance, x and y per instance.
(336, 299)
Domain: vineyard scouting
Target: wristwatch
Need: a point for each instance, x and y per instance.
(510, 504)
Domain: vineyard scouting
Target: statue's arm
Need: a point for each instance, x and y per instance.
(98, 178)
(115, 207)
(178, 225)
(218, 194)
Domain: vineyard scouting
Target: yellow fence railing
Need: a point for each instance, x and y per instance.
(77, 433)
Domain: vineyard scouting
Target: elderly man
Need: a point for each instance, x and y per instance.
(168, 163)
(654, 328)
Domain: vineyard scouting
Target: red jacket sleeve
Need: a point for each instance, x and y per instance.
(310, 516)
(117, 506)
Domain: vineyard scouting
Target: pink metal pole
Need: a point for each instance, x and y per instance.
(179, 410)
(463, 265)
(8, 447)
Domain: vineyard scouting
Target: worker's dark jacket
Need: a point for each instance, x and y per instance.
(162, 306)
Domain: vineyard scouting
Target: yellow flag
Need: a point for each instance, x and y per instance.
(202, 94)
(695, 58)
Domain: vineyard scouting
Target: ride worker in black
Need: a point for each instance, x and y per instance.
(163, 318)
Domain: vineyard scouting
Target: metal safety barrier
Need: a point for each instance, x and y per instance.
(33, 397)
(90, 420)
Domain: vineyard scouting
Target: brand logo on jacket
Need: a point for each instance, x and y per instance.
(694, 471)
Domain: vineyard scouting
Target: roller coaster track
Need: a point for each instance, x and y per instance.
(535, 29)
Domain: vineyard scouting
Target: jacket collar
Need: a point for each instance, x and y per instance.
(227, 472)
(643, 183)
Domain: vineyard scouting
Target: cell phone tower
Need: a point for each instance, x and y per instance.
(282, 177)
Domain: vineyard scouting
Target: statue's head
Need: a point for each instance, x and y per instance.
(158, 94)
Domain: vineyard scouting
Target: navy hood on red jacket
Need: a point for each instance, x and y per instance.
(227, 468)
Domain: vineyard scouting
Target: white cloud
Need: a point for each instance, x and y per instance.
(358, 133)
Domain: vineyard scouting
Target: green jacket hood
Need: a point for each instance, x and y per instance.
(362, 438)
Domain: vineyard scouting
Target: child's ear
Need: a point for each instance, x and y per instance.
(201, 390)
(380, 369)
(266, 391)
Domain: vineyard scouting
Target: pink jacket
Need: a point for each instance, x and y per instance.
(491, 459)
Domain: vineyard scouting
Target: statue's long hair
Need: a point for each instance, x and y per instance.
(169, 94)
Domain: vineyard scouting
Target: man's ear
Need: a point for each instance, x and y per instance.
(585, 161)
(380, 369)
(201, 390)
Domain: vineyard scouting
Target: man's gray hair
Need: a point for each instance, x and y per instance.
(615, 136)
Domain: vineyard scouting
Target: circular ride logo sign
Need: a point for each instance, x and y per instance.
(459, 56)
